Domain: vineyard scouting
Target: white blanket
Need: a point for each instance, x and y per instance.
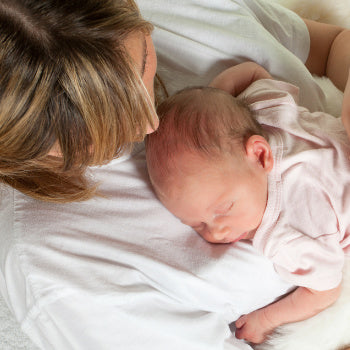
(11, 336)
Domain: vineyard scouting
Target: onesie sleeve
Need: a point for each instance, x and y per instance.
(269, 93)
(311, 263)
(304, 242)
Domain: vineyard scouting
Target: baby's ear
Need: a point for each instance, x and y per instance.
(258, 150)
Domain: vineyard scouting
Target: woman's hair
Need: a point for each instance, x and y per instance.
(67, 81)
(204, 120)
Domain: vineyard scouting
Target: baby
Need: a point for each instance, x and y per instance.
(260, 168)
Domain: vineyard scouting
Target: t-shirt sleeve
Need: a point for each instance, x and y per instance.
(283, 24)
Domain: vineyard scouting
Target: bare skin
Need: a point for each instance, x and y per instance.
(301, 304)
(330, 56)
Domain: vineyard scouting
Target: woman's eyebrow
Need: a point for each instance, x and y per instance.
(144, 59)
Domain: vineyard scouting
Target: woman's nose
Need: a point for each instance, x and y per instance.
(153, 128)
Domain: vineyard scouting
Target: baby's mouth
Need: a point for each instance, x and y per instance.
(228, 239)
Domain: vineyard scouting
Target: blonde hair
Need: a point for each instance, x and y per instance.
(204, 120)
(66, 79)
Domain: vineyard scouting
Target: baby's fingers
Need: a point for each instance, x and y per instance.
(241, 321)
(240, 333)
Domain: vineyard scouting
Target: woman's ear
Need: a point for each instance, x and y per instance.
(258, 150)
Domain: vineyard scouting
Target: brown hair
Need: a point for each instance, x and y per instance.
(67, 80)
(201, 119)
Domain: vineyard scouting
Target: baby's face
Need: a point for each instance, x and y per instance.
(223, 200)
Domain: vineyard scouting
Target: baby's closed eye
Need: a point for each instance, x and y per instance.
(223, 210)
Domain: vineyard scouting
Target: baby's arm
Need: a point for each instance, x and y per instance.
(299, 305)
(237, 78)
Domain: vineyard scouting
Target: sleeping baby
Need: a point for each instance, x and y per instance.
(259, 167)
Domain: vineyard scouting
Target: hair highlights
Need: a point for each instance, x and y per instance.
(66, 79)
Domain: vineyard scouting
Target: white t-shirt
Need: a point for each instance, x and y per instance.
(120, 272)
(207, 36)
(305, 230)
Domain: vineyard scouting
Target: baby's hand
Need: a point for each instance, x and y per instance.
(237, 78)
(253, 327)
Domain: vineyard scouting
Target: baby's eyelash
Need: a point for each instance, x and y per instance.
(231, 206)
(224, 212)
(144, 60)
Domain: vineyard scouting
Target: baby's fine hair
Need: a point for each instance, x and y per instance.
(205, 120)
(67, 80)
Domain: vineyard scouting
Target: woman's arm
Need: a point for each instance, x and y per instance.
(330, 56)
(237, 78)
(329, 52)
(299, 305)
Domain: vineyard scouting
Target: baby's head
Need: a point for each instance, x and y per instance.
(208, 162)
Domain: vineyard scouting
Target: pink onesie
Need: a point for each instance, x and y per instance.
(305, 230)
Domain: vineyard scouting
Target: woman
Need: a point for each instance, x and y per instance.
(112, 272)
